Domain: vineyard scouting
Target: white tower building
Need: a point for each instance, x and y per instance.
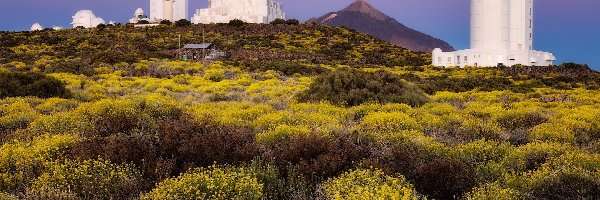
(172, 10)
(86, 19)
(501, 33)
(250, 11)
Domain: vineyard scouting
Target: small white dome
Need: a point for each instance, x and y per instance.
(57, 27)
(139, 12)
(37, 27)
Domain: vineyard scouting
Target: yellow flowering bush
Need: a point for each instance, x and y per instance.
(552, 132)
(17, 115)
(382, 122)
(89, 179)
(21, 161)
(55, 105)
(369, 184)
(493, 191)
(210, 183)
(282, 132)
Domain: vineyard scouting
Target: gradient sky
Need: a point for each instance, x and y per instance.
(568, 28)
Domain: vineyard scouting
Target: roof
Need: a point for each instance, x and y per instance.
(198, 46)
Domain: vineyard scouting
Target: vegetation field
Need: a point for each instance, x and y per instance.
(293, 112)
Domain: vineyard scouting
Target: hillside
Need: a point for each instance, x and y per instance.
(364, 18)
(305, 44)
(295, 112)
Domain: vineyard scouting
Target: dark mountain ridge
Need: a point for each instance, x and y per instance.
(364, 18)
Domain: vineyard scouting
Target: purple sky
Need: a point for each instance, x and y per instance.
(569, 29)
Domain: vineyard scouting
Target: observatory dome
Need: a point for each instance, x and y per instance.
(86, 19)
(139, 12)
(36, 27)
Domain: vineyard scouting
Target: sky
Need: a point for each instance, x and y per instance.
(568, 28)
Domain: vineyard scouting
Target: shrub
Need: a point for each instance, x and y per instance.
(397, 158)
(210, 183)
(567, 185)
(215, 75)
(353, 87)
(183, 23)
(16, 84)
(236, 23)
(476, 129)
(193, 143)
(445, 83)
(317, 156)
(101, 26)
(278, 21)
(282, 132)
(380, 123)
(552, 132)
(292, 22)
(165, 22)
(521, 120)
(445, 178)
(369, 184)
(17, 115)
(90, 179)
(492, 192)
(75, 66)
(570, 176)
(21, 162)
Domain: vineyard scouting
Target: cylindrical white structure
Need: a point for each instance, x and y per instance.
(168, 10)
(521, 25)
(490, 24)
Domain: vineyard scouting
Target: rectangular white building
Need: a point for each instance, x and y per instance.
(501, 33)
(172, 10)
(250, 11)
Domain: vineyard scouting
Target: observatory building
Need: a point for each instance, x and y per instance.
(501, 33)
(139, 16)
(37, 27)
(250, 11)
(172, 10)
(86, 19)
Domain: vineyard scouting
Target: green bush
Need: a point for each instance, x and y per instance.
(292, 22)
(210, 183)
(16, 84)
(369, 184)
(353, 87)
(278, 21)
(183, 23)
(236, 23)
(89, 179)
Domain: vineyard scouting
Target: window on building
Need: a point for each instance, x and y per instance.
(440, 59)
(449, 59)
(466, 58)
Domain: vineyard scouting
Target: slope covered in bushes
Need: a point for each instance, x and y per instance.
(272, 124)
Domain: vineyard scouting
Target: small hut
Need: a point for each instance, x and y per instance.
(194, 52)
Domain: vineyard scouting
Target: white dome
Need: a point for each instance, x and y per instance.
(139, 12)
(86, 19)
(57, 27)
(84, 14)
(37, 27)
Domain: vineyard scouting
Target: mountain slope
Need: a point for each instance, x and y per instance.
(364, 18)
